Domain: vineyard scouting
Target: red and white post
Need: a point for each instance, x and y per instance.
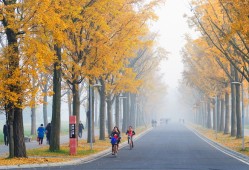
(72, 135)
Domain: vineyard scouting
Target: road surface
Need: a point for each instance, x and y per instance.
(169, 147)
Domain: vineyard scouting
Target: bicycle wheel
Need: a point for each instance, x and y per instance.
(115, 150)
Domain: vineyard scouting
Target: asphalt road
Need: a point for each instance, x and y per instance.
(169, 147)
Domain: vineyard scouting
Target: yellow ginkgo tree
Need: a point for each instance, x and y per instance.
(30, 35)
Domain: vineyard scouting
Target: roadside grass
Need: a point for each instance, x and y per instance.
(246, 126)
(225, 139)
(42, 155)
(83, 149)
(1, 138)
(22, 161)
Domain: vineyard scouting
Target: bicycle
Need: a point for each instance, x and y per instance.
(130, 142)
(114, 146)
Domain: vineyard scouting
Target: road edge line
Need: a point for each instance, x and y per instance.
(220, 147)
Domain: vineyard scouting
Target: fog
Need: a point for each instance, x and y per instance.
(172, 27)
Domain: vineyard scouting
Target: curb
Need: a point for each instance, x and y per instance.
(77, 161)
(224, 149)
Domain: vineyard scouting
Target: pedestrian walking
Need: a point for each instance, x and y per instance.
(40, 132)
(81, 127)
(5, 134)
(48, 132)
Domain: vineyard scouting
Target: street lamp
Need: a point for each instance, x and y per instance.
(243, 124)
(90, 112)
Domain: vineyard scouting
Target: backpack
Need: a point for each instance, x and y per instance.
(113, 140)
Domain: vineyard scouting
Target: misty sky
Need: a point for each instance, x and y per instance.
(172, 27)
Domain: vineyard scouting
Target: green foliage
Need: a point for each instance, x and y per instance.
(1, 138)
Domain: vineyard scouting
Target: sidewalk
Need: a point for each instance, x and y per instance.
(34, 144)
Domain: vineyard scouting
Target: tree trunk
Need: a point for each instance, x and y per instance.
(33, 121)
(10, 119)
(96, 115)
(19, 142)
(15, 117)
(109, 115)
(93, 116)
(203, 114)
(125, 113)
(233, 107)
(69, 102)
(33, 112)
(138, 122)
(197, 115)
(91, 111)
(214, 114)
(218, 113)
(233, 111)
(45, 104)
(227, 114)
(129, 110)
(209, 122)
(102, 111)
(132, 111)
(56, 107)
(200, 114)
(76, 106)
(238, 112)
(221, 127)
(117, 111)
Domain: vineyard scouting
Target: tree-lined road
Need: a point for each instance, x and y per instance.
(172, 146)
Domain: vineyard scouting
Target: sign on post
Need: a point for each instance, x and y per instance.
(72, 135)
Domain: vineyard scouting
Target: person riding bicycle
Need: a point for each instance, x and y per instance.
(119, 139)
(130, 132)
(115, 138)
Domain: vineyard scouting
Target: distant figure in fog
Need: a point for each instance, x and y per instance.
(5, 134)
(81, 127)
(181, 120)
(40, 132)
(48, 132)
(153, 123)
